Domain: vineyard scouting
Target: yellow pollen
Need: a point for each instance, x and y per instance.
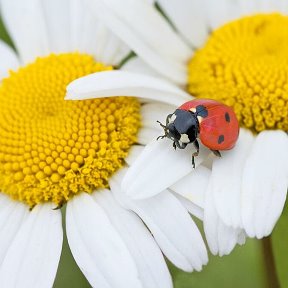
(245, 65)
(52, 149)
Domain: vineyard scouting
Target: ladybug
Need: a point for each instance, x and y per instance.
(213, 122)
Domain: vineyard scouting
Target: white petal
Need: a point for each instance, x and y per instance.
(9, 60)
(172, 227)
(25, 23)
(33, 257)
(221, 239)
(227, 189)
(161, 48)
(99, 251)
(192, 208)
(282, 6)
(149, 260)
(12, 216)
(262, 6)
(137, 65)
(228, 237)
(249, 7)
(128, 10)
(153, 112)
(193, 186)
(158, 167)
(146, 135)
(241, 237)
(222, 11)
(189, 19)
(58, 24)
(104, 45)
(114, 50)
(265, 182)
(134, 152)
(119, 83)
(267, 6)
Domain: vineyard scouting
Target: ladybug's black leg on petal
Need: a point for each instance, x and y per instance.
(216, 153)
(196, 153)
(161, 137)
(165, 130)
(174, 145)
(165, 127)
(162, 125)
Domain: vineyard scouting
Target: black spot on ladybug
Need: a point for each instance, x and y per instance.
(227, 117)
(220, 139)
(201, 111)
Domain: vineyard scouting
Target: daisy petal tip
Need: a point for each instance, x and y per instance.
(69, 96)
(250, 232)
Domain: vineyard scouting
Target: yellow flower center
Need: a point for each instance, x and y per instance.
(245, 65)
(52, 149)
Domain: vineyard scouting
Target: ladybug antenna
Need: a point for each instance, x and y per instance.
(165, 131)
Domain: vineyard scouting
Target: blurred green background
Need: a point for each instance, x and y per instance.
(245, 267)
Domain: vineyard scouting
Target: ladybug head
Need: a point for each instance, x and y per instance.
(181, 127)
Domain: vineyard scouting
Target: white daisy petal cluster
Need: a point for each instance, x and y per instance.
(130, 206)
(117, 241)
(176, 234)
(244, 190)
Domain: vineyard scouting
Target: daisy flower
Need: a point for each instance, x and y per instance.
(55, 152)
(234, 52)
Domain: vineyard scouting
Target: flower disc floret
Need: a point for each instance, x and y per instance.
(52, 149)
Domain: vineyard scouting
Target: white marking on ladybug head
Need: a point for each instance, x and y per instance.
(184, 138)
(172, 118)
(193, 110)
(200, 119)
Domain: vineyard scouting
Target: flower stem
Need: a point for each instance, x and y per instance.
(271, 273)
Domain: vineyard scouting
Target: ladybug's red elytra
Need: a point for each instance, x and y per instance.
(214, 123)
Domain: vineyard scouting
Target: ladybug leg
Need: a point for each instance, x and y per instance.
(165, 131)
(161, 137)
(196, 153)
(164, 127)
(174, 145)
(216, 153)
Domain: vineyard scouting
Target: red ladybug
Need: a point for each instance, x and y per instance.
(213, 122)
